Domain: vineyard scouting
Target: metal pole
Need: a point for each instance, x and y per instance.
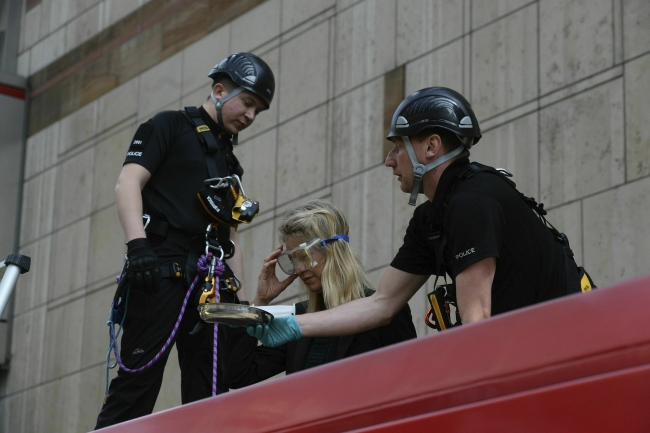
(7, 285)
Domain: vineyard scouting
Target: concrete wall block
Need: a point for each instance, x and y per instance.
(358, 130)
(300, 77)
(62, 356)
(576, 41)
(160, 85)
(107, 247)
(74, 188)
(581, 149)
(442, 67)
(69, 266)
(27, 350)
(513, 146)
(295, 12)
(94, 329)
(42, 150)
(117, 105)
(83, 27)
(616, 237)
(486, 12)
(637, 104)
(115, 10)
(302, 146)
(38, 206)
(504, 63)
(32, 287)
(47, 50)
(424, 25)
(109, 157)
(12, 413)
(636, 33)
(258, 156)
(256, 27)
(365, 43)
(78, 127)
(201, 56)
(31, 32)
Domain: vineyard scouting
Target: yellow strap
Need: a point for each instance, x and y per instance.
(585, 285)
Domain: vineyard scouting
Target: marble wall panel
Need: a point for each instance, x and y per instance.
(442, 67)
(73, 196)
(258, 156)
(366, 201)
(84, 26)
(302, 150)
(485, 12)
(256, 243)
(62, 11)
(78, 127)
(304, 85)
(47, 50)
(32, 287)
(365, 43)
(106, 245)
(295, 12)
(58, 414)
(160, 85)
(576, 41)
(62, 340)
(256, 27)
(636, 33)
(12, 413)
(31, 31)
(42, 150)
(358, 130)
(23, 64)
(637, 104)
(117, 105)
(38, 206)
(616, 236)
(109, 157)
(27, 350)
(581, 146)
(94, 335)
(69, 264)
(504, 63)
(195, 98)
(424, 25)
(115, 10)
(269, 118)
(201, 56)
(513, 146)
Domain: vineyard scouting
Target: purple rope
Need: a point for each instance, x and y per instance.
(202, 267)
(218, 270)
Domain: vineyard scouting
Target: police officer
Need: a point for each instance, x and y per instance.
(475, 226)
(166, 166)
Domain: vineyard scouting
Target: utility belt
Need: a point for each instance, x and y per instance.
(216, 240)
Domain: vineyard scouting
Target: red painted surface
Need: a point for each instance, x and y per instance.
(581, 363)
(12, 91)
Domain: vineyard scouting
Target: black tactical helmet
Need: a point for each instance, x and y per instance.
(436, 107)
(249, 72)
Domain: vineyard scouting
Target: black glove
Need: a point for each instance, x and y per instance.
(143, 272)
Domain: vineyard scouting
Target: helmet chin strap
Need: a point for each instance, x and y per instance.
(218, 103)
(420, 169)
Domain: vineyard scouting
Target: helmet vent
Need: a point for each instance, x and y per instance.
(466, 122)
(401, 122)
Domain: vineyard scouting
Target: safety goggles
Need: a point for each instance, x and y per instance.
(301, 258)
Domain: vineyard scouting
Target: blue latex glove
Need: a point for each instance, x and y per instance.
(279, 331)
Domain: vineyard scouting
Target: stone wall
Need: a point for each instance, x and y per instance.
(560, 88)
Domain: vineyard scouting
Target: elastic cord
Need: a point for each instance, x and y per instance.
(334, 238)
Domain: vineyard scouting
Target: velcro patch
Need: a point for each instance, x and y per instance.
(141, 136)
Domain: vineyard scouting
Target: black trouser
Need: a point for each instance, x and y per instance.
(149, 321)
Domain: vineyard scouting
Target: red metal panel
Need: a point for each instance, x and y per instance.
(576, 337)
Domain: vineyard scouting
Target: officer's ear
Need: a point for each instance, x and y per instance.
(433, 146)
(219, 90)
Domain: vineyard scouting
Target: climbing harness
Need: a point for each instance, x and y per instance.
(209, 265)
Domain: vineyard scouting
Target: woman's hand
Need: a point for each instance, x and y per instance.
(268, 284)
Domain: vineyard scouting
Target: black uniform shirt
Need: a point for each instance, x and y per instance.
(486, 217)
(168, 147)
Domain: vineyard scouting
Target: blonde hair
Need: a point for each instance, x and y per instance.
(343, 278)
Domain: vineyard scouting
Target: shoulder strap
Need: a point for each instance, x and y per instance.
(217, 167)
